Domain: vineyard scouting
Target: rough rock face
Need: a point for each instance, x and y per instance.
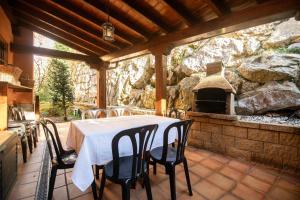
(148, 97)
(252, 61)
(284, 34)
(270, 68)
(185, 97)
(271, 96)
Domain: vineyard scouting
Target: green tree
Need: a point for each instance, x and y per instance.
(59, 83)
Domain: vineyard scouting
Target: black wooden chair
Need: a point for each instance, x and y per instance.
(170, 156)
(61, 159)
(128, 169)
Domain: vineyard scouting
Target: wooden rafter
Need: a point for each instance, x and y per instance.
(49, 8)
(184, 14)
(88, 16)
(62, 33)
(18, 48)
(147, 13)
(218, 6)
(66, 26)
(252, 16)
(52, 36)
(128, 22)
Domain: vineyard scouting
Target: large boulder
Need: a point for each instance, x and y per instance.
(140, 72)
(252, 46)
(215, 49)
(284, 34)
(185, 97)
(234, 79)
(172, 95)
(294, 47)
(270, 97)
(270, 68)
(148, 97)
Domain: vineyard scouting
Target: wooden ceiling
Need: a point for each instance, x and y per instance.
(139, 24)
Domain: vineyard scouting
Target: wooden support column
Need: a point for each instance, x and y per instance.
(101, 83)
(160, 55)
(101, 88)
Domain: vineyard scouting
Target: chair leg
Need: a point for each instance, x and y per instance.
(126, 190)
(171, 171)
(187, 176)
(97, 168)
(102, 185)
(66, 182)
(29, 140)
(148, 187)
(34, 134)
(154, 167)
(52, 181)
(24, 148)
(94, 189)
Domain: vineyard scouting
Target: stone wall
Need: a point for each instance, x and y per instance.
(278, 145)
(261, 62)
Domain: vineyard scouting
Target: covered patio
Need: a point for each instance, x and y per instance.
(228, 158)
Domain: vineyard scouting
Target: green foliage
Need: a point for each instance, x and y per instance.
(286, 50)
(59, 84)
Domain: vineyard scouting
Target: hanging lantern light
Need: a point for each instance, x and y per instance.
(108, 28)
(108, 31)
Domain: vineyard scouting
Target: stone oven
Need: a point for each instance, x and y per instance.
(214, 94)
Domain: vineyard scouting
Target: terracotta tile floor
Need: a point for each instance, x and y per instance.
(213, 176)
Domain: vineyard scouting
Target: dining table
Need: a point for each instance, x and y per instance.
(92, 138)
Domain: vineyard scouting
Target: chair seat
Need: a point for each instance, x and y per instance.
(156, 154)
(125, 168)
(70, 158)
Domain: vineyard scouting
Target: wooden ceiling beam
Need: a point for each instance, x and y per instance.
(249, 17)
(56, 38)
(146, 12)
(62, 33)
(88, 16)
(59, 13)
(18, 48)
(183, 13)
(65, 26)
(125, 20)
(218, 6)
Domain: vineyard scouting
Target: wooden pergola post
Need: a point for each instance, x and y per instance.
(101, 88)
(160, 55)
(101, 83)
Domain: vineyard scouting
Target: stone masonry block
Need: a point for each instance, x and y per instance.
(212, 128)
(202, 135)
(235, 131)
(289, 139)
(249, 145)
(277, 127)
(280, 151)
(195, 126)
(263, 135)
(238, 153)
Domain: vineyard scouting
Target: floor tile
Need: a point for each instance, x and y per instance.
(201, 170)
(256, 184)
(231, 173)
(242, 167)
(212, 164)
(229, 197)
(60, 194)
(246, 193)
(221, 181)
(263, 175)
(278, 193)
(209, 190)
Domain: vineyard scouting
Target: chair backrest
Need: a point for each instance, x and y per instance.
(93, 114)
(139, 138)
(174, 113)
(182, 129)
(51, 142)
(99, 113)
(53, 131)
(112, 113)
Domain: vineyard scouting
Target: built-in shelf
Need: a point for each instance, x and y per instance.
(17, 88)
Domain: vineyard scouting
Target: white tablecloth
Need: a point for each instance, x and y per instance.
(92, 139)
